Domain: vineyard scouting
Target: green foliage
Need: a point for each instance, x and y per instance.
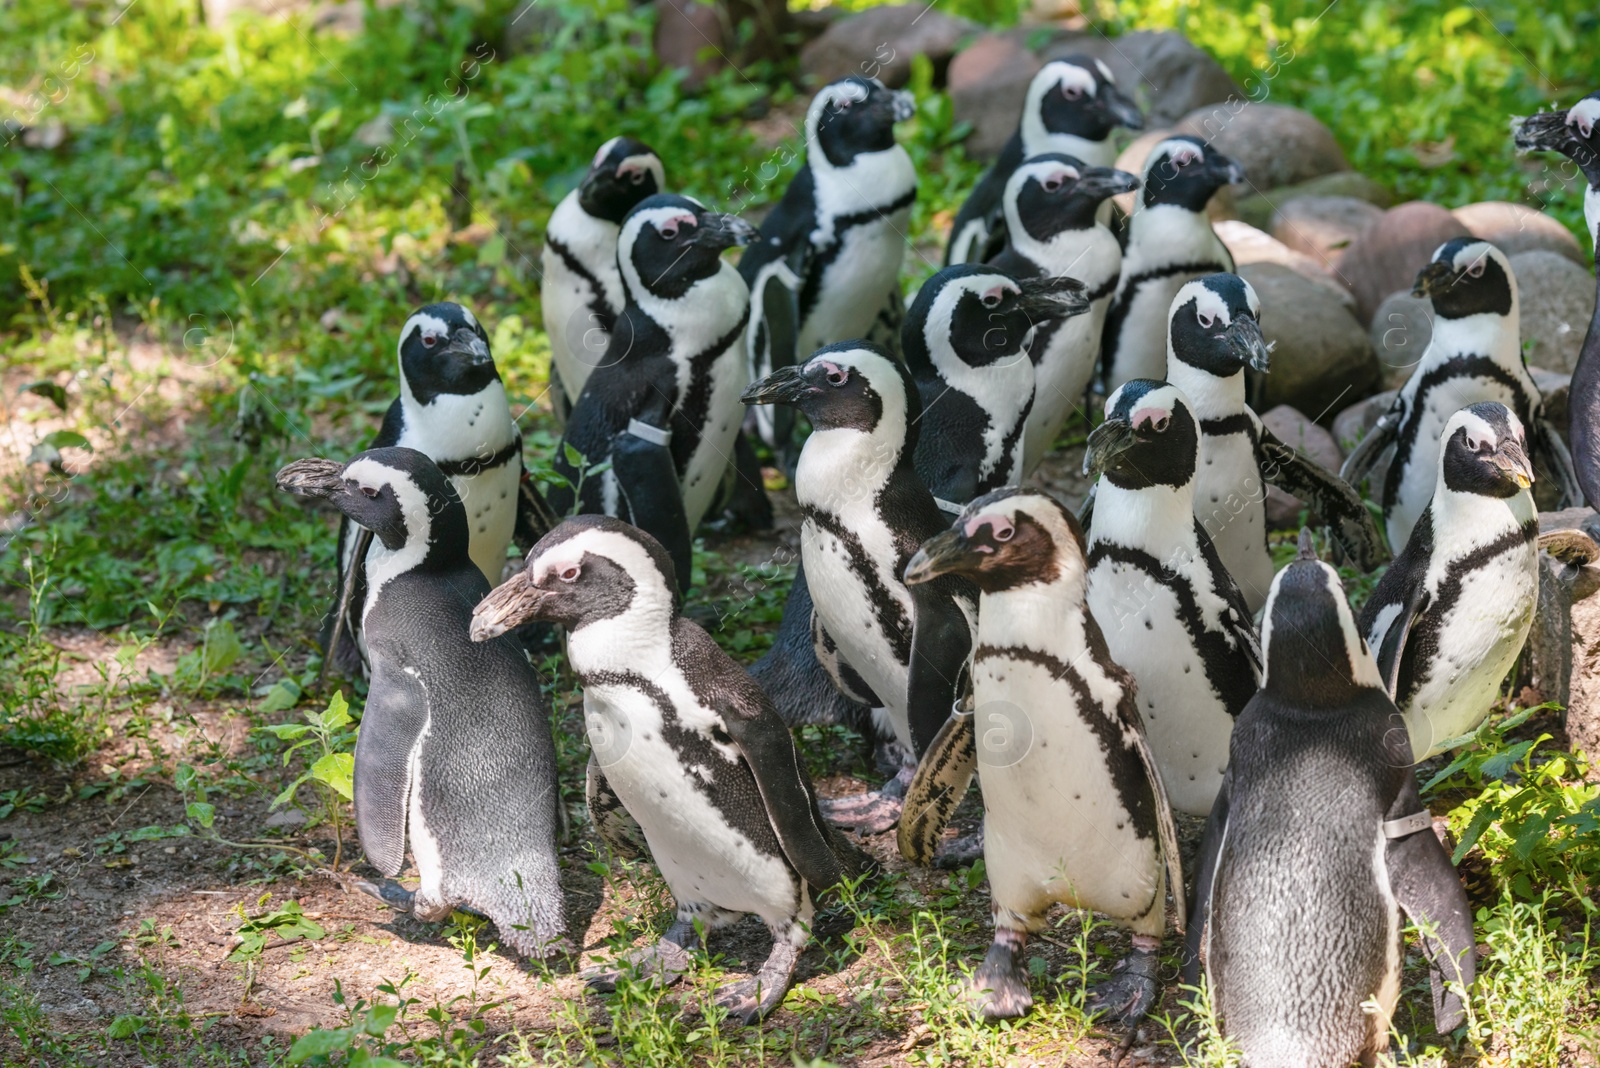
(332, 768)
(1531, 986)
(288, 923)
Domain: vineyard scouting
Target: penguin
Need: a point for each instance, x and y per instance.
(455, 753)
(1169, 242)
(1317, 845)
(827, 265)
(452, 408)
(581, 289)
(688, 744)
(1051, 232)
(1575, 133)
(1171, 613)
(968, 340)
(1213, 334)
(1072, 107)
(1074, 810)
(663, 407)
(865, 514)
(1475, 355)
(1451, 614)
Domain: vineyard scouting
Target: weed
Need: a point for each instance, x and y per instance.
(287, 923)
(1531, 984)
(332, 770)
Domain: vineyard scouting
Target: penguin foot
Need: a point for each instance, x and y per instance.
(750, 1000)
(1126, 997)
(998, 990)
(389, 892)
(663, 963)
(960, 852)
(868, 813)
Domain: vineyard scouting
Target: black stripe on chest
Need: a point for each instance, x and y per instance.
(892, 619)
(1238, 423)
(823, 257)
(694, 409)
(476, 465)
(597, 303)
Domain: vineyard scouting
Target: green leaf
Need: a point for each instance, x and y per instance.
(379, 1019)
(281, 698)
(66, 439)
(202, 813)
(288, 793)
(286, 731)
(338, 712)
(1469, 838)
(222, 647)
(319, 1043)
(125, 1026)
(48, 390)
(1501, 763)
(1530, 834)
(337, 770)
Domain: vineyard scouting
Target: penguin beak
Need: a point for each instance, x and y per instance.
(511, 604)
(785, 385)
(1550, 132)
(1437, 277)
(1101, 183)
(902, 105)
(1120, 108)
(1052, 298)
(312, 477)
(1225, 170)
(468, 345)
(1513, 460)
(719, 230)
(1107, 442)
(1244, 340)
(946, 552)
(1307, 549)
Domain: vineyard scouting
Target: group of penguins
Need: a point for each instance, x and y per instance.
(1096, 672)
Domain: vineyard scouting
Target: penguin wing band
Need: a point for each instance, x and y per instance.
(654, 435)
(1408, 825)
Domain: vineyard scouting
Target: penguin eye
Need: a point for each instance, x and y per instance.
(1052, 183)
(428, 341)
(1476, 270)
(1205, 320)
(569, 574)
(669, 231)
(1072, 92)
(366, 491)
(636, 176)
(1160, 425)
(1003, 531)
(838, 376)
(991, 300)
(843, 105)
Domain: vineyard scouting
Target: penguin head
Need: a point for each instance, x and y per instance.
(855, 115)
(1468, 277)
(1052, 193)
(1575, 133)
(1149, 438)
(443, 349)
(1485, 452)
(1005, 540)
(1314, 655)
(1215, 325)
(1186, 172)
(983, 316)
(623, 173)
(850, 385)
(1077, 96)
(588, 569)
(398, 494)
(669, 242)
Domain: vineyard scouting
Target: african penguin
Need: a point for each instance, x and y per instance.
(1073, 807)
(865, 513)
(581, 290)
(1451, 614)
(1317, 845)
(968, 340)
(1575, 133)
(452, 408)
(1171, 613)
(1073, 105)
(1475, 355)
(455, 752)
(827, 264)
(1051, 232)
(1213, 334)
(688, 743)
(1169, 242)
(663, 407)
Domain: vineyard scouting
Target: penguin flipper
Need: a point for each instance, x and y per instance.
(940, 782)
(794, 674)
(612, 822)
(1359, 464)
(1393, 649)
(1238, 621)
(391, 728)
(341, 646)
(1558, 461)
(1166, 825)
(1086, 512)
(772, 335)
(941, 642)
(648, 480)
(1329, 496)
(1206, 863)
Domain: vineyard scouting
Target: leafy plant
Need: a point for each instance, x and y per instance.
(1532, 984)
(333, 768)
(288, 924)
(21, 798)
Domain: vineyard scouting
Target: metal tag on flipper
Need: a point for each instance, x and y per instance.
(940, 783)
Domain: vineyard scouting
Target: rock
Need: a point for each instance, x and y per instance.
(1393, 249)
(1557, 298)
(1322, 357)
(1277, 145)
(1352, 424)
(988, 82)
(1249, 245)
(880, 41)
(1401, 329)
(1564, 645)
(286, 818)
(1258, 208)
(1162, 69)
(1308, 439)
(1132, 159)
(689, 36)
(1515, 228)
(1321, 227)
(1554, 387)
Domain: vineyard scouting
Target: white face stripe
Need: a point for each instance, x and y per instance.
(936, 331)
(1041, 510)
(1167, 398)
(1105, 72)
(1477, 250)
(827, 96)
(616, 547)
(1067, 75)
(645, 161)
(430, 323)
(466, 313)
(1252, 299)
(636, 222)
(603, 152)
(383, 563)
(1207, 303)
(1363, 668)
(1042, 170)
(1584, 115)
(1171, 150)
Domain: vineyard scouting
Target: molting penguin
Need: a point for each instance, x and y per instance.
(1475, 355)
(1453, 611)
(1169, 610)
(1169, 242)
(1213, 333)
(901, 650)
(827, 265)
(1575, 133)
(1072, 106)
(581, 292)
(689, 745)
(1051, 232)
(1317, 844)
(1073, 806)
(455, 750)
(968, 341)
(663, 407)
(452, 408)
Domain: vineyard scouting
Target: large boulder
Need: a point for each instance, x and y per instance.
(988, 83)
(880, 41)
(1277, 145)
(1389, 254)
(1248, 245)
(1291, 427)
(1557, 298)
(1354, 423)
(1162, 69)
(1564, 645)
(1515, 228)
(689, 36)
(1401, 329)
(1322, 227)
(1321, 358)
(1258, 208)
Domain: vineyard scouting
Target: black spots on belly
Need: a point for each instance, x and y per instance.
(892, 619)
(1411, 425)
